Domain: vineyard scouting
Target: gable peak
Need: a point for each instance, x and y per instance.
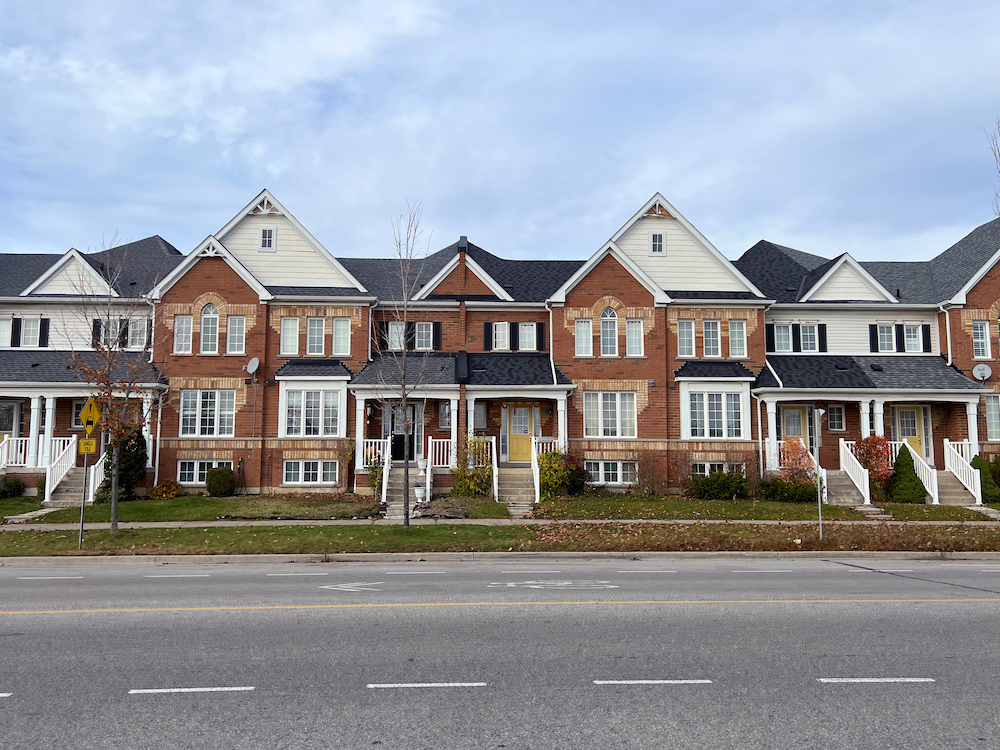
(658, 210)
(265, 206)
(211, 250)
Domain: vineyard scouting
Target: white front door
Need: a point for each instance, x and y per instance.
(8, 419)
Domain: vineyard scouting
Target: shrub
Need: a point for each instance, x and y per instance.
(787, 490)
(796, 463)
(220, 482)
(875, 455)
(165, 490)
(12, 488)
(553, 474)
(576, 481)
(131, 469)
(905, 486)
(721, 485)
(473, 481)
(375, 467)
(991, 493)
(40, 487)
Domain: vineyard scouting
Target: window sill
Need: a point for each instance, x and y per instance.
(583, 356)
(182, 354)
(635, 356)
(609, 356)
(610, 438)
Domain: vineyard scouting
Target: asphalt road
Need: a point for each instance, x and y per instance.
(532, 653)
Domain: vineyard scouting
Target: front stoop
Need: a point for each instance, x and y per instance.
(516, 488)
(841, 490)
(873, 513)
(69, 491)
(951, 491)
(394, 493)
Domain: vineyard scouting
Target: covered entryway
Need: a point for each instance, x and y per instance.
(403, 431)
(520, 423)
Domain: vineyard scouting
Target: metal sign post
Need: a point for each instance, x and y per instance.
(89, 416)
(819, 480)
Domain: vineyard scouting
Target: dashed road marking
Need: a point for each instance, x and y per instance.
(375, 686)
(414, 572)
(563, 585)
(528, 570)
(48, 578)
(762, 571)
(297, 574)
(179, 575)
(5, 695)
(874, 679)
(652, 682)
(645, 571)
(192, 690)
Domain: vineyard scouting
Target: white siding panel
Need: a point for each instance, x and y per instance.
(686, 264)
(73, 279)
(847, 330)
(845, 284)
(70, 326)
(295, 261)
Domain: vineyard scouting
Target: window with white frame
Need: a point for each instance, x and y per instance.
(914, 339)
(609, 332)
(209, 329)
(137, 333)
(77, 411)
(182, 334)
(501, 334)
(835, 418)
(656, 243)
(312, 412)
(783, 337)
(526, 340)
(584, 337)
(609, 414)
(396, 335)
(289, 337)
(712, 345)
(31, 329)
(424, 336)
(236, 333)
(715, 415)
(196, 471)
(315, 335)
(612, 472)
(633, 338)
(342, 337)
(208, 412)
(737, 339)
(810, 343)
(886, 338)
(5, 326)
(268, 239)
(704, 468)
(480, 416)
(993, 418)
(980, 339)
(310, 472)
(685, 338)
(444, 415)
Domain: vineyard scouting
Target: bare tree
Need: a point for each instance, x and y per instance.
(994, 139)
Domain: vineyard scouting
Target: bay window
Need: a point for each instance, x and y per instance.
(208, 412)
(715, 415)
(312, 413)
(609, 414)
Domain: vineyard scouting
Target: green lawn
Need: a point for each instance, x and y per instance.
(195, 508)
(917, 512)
(458, 506)
(12, 506)
(625, 507)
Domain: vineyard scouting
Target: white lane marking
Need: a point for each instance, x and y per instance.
(178, 575)
(414, 572)
(893, 570)
(529, 570)
(652, 682)
(298, 574)
(874, 679)
(645, 571)
(762, 571)
(859, 570)
(192, 690)
(360, 586)
(565, 585)
(374, 686)
(5, 695)
(47, 578)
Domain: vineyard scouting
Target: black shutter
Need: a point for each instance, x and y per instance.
(411, 335)
(515, 336)
(540, 336)
(487, 337)
(383, 335)
(872, 337)
(437, 339)
(15, 332)
(769, 337)
(821, 330)
(796, 338)
(43, 332)
(149, 333)
(900, 338)
(122, 332)
(95, 335)
(927, 338)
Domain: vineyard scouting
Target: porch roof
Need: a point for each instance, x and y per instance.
(421, 369)
(713, 370)
(488, 369)
(43, 366)
(513, 369)
(312, 368)
(918, 373)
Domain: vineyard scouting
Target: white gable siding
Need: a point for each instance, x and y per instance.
(70, 326)
(847, 330)
(295, 261)
(846, 284)
(686, 264)
(73, 279)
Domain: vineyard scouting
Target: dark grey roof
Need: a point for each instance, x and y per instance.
(380, 276)
(513, 369)
(20, 271)
(954, 267)
(43, 366)
(312, 368)
(136, 267)
(778, 271)
(314, 291)
(698, 368)
(898, 372)
(684, 294)
(421, 369)
(913, 280)
(764, 380)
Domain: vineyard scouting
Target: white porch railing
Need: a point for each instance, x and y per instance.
(927, 475)
(386, 455)
(5, 451)
(956, 462)
(546, 444)
(440, 453)
(372, 449)
(534, 468)
(478, 450)
(495, 468)
(96, 476)
(63, 459)
(818, 471)
(857, 473)
(964, 449)
(17, 453)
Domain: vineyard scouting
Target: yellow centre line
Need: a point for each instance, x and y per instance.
(665, 602)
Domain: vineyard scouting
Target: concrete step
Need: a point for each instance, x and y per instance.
(951, 491)
(841, 489)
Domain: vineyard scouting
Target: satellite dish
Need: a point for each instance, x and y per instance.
(982, 372)
(252, 365)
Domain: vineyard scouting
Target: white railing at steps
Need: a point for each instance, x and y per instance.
(5, 452)
(495, 468)
(96, 476)
(926, 474)
(818, 471)
(372, 449)
(534, 468)
(857, 473)
(956, 463)
(386, 455)
(63, 459)
(440, 453)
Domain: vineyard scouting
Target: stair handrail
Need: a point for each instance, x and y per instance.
(534, 468)
(964, 471)
(60, 465)
(95, 475)
(495, 467)
(386, 467)
(429, 467)
(5, 452)
(925, 473)
(857, 473)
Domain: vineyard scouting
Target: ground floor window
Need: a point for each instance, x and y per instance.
(310, 472)
(993, 417)
(704, 468)
(195, 471)
(612, 472)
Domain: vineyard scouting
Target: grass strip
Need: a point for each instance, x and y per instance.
(677, 508)
(916, 512)
(14, 506)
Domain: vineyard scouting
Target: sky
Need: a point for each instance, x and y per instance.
(535, 128)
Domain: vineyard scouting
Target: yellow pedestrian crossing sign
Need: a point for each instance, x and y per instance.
(88, 445)
(90, 416)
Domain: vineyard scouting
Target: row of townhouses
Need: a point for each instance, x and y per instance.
(267, 353)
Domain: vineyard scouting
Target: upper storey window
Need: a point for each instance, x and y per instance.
(913, 338)
(981, 339)
(268, 239)
(182, 334)
(712, 345)
(657, 243)
(609, 333)
(209, 329)
(685, 338)
(289, 336)
(584, 337)
(886, 338)
(809, 340)
(782, 338)
(737, 338)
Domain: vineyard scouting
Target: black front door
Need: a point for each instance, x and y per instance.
(402, 432)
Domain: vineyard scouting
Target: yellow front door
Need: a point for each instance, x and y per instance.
(520, 433)
(793, 422)
(910, 428)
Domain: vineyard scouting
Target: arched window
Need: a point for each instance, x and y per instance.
(609, 333)
(209, 329)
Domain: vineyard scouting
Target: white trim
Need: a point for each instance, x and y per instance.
(477, 269)
(312, 384)
(660, 297)
(210, 247)
(60, 265)
(866, 278)
(959, 298)
(273, 229)
(662, 253)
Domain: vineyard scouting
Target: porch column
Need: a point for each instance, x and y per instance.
(865, 419)
(470, 414)
(880, 417)
(359, 433)
(453, 411)
(561, 440)
(50, 428)
(147, 428)
(971, 413)
(772, 435)
(34, 422)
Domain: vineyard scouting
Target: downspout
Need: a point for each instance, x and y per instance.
(947, 325)
(159, 422)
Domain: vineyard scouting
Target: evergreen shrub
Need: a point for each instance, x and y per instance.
(720, 485)
(991, 493)
(905, 486)
(787, 490)
(220, 482)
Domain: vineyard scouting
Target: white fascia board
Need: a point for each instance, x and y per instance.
(713, 380)
(963, 395)
(960, 298)
(750, 303)
(72, 255)
(690, 228)
(867, 278)
(513, 392)
(660, 297)
(210, 247)
(477, 269)
(811, 308)
(488, 305)
(295, 223)
(313, 378)
(436, 304)
(437, 278)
